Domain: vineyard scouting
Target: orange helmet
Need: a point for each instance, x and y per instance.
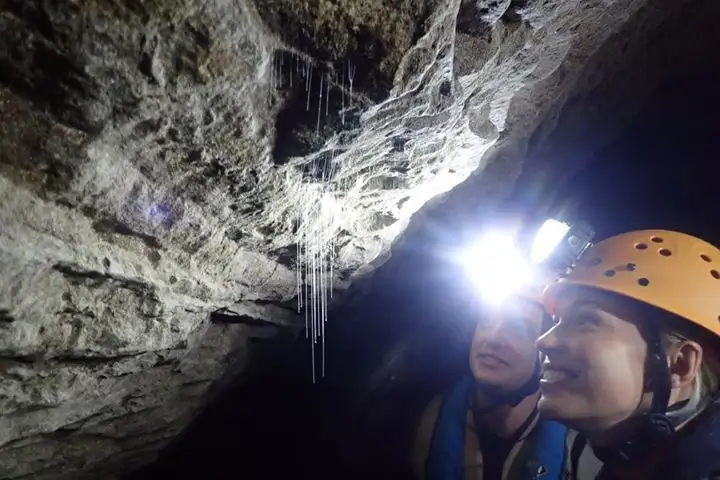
(669, 270)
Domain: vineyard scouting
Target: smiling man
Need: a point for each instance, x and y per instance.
(486, 427)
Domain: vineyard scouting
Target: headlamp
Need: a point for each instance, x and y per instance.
(558, 245)
(498, 267)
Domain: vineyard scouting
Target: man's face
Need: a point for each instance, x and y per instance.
(503, 352)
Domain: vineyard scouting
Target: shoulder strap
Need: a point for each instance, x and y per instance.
(542, 455)
(578, 446)
(423, 436)
(549, 451)
(446, 456)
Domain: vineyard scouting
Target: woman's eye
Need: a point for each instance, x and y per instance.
(582, 320)
(518, 326)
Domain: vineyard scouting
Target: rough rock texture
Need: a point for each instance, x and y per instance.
(161, 161)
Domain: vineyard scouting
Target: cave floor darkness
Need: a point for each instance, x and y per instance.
(389, 350)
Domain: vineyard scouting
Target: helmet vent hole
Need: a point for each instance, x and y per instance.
(705, 258)
(656, 239)
(641, 246)
(643, 282)
(664, 252)
(715, 274)
(609, 273)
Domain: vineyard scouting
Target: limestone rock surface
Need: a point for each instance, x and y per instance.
(166, 166)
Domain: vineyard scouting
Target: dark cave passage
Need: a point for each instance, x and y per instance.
(402, 334)
(662, 173)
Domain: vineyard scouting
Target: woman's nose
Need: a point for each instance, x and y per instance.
(496, 333)
(549, 340)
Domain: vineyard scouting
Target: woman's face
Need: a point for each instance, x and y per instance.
(593, 373)
(503, 352)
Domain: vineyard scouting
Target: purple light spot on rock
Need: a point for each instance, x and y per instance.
(159, 213)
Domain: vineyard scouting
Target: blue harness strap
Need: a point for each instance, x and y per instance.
(545, 460)
(447, 447)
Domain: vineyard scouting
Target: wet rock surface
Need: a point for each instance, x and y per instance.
(161, 161)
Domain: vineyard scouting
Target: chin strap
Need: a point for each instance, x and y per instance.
(648, 429)
(652, 427)
(626, 452)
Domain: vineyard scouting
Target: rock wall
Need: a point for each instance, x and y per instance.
(162, 164)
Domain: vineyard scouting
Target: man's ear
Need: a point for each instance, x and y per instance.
(684, 361)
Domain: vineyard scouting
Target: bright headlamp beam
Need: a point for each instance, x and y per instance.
(548, 237)
(496, 267)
